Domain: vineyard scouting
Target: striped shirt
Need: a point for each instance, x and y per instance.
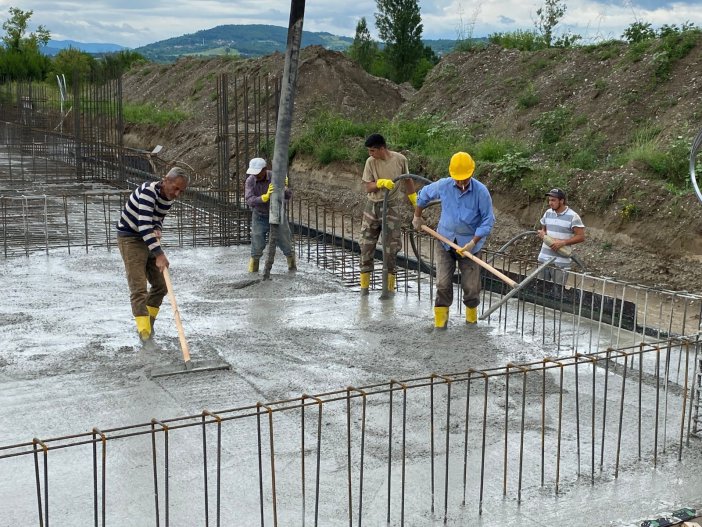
(559, 227)
(144, 212)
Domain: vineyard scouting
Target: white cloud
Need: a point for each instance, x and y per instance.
(134, 23)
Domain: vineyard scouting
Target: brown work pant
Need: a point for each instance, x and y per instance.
(470, 277)
(141, 268)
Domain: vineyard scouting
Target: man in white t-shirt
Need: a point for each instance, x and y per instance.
(562, 227)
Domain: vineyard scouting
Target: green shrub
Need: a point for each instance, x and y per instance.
(637, 50)
(585, 159)
(149, 114)
(513, 167)
(669, 164)
(521, 40)
(199, 84)
(528, 97)
(604, 50)
(540, 179)
(639, 32)
(469, 44)
(674, 45)
(553, 124)
(600, 85)
(629, 210)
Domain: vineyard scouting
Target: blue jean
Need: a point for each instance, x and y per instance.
(259, 235)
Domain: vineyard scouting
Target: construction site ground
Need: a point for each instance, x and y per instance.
(71, 361)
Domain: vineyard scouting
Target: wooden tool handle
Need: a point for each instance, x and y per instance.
(179, 324)
(467, 254)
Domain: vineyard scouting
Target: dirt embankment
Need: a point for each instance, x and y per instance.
(637, 229)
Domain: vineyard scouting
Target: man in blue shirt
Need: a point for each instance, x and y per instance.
(466, 218)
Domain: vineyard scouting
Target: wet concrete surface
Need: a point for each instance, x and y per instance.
(71, 361)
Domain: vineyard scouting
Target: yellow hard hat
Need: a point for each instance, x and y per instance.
(461, 166)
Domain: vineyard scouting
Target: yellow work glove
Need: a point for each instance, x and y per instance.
(385, 183)
(413, 198)
(286, 181)
(265, 197)
(468, 247)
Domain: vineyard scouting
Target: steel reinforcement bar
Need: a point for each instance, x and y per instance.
(439, 446)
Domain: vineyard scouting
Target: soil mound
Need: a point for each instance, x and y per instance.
(637, 229)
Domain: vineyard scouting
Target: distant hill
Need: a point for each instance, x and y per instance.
(252, 40)
(54, 46)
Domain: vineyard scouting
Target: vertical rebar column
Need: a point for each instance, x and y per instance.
(78, 156)
(103, 442)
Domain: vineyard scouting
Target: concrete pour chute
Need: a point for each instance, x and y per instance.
(71, 362)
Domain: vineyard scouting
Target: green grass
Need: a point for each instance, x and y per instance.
(668, 162)
(494, 149)
(428, 143)
(149, 114)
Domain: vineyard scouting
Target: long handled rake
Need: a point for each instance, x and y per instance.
(188, 365)
(516, 286)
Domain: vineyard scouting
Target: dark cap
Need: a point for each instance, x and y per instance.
(556, 193)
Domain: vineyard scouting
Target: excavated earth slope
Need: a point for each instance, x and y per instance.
(610, 95)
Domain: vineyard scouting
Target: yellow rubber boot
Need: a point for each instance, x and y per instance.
(391, 283)
(253, 265)
(365, 283)
(292, 264)
(441, 317)
(471, 315)
(153, 313)
(143, 325)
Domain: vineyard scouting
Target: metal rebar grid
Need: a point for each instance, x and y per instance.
(473, 436)
(588, 314)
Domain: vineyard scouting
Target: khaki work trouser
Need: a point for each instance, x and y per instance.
(140, 266)
(470, 277)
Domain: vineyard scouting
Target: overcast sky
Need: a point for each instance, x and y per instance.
(134, 23)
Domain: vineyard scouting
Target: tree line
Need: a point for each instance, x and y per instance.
(21, 56)
(401, 57)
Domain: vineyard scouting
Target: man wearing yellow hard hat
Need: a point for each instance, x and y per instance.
(466, 219)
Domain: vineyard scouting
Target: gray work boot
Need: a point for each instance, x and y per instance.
(292, 264)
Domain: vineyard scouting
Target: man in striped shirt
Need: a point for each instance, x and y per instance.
(561, 226)
(138, 238)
